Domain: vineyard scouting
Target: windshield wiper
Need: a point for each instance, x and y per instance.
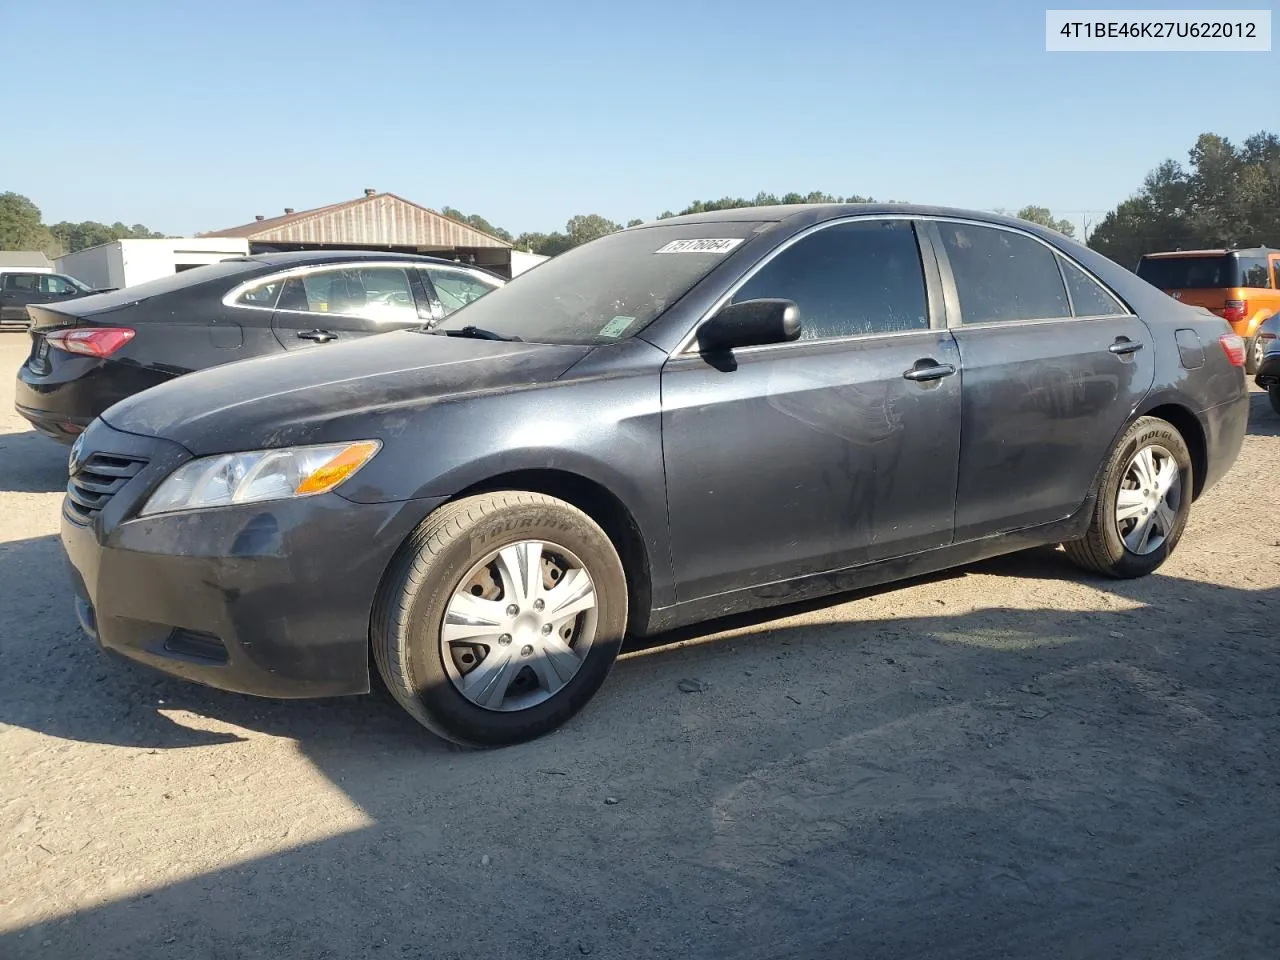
(473, 333)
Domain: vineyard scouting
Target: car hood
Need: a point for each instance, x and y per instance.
(305, 395)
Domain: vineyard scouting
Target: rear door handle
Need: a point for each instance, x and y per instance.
(319, 336)
(1123, 346)
(934, 372)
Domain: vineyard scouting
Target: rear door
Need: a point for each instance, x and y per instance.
(17, 291)
(1053, 366)
(332, 304)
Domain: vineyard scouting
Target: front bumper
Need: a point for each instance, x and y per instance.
(272, 599)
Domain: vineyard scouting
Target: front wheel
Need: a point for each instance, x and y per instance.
(1142, 505)
(500, 618)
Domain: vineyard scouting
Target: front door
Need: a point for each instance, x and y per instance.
(1053, 367)
(837, 449)
(334, 304)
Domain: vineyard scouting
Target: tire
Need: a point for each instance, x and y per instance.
(1273, 392)
(1253, 358)
(1103, 549)
(431, 573)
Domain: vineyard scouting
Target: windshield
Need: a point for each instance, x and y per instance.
(1213, 272)
(606, 290)
(82, 287)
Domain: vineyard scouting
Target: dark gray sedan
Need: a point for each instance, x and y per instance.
(683, 420)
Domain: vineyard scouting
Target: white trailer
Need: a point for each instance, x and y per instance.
(123, 263)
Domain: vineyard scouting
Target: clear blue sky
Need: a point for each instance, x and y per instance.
(190, 117)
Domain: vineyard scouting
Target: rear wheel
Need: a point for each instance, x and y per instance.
(1254, 360)
(1142, 505)
(500, 618)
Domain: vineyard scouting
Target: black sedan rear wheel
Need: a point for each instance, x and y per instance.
(1142, 505)
(500, 618)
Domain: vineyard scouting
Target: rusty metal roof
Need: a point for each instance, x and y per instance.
(382, 219)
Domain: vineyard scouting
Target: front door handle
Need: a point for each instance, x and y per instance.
(1124, 346)
(928, 370)
(319, 336)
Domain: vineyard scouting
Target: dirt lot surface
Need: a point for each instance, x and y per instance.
(1010, 760)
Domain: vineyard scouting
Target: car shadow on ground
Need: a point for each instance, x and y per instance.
(1003, 782)
(31, 463)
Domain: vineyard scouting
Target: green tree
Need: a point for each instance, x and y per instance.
(1226, 196)
(89, 233)
(634, 223)
(21, 227)
(477, 222)
(1042, 216)
(586, 227)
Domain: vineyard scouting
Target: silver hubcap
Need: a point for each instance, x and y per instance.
(519, 626)
(1149, 498)
(1259, 348)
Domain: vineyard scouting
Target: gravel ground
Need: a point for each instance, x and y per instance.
(1010, 760)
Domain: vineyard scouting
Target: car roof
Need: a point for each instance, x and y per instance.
(1221, 252)
(302, 257)
(818, 212)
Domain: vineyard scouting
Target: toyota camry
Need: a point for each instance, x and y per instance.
(682, 420)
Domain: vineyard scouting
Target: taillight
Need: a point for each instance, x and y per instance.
(1236, 311)
(1233, 347)
(90, 342)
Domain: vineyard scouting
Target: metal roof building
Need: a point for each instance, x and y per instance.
(378, 221)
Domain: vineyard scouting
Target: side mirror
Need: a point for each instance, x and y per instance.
(751, 323)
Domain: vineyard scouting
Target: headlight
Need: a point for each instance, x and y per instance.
(260, 475)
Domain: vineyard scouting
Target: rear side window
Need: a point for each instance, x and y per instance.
(850, 279)
(376, 293)
(1003, 276)
(1087, 297)
(264, 294)
(1254, 273)
(21, 282)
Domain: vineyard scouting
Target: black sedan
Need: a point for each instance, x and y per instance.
(92, 352)
(679, 421)
(1266, 363)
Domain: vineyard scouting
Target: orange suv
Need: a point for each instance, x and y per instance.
(1241, 286)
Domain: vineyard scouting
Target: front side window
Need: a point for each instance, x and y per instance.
(1088, 298)
(456, 288)
(375, 293)
(56, 285)
(848, 280)
(1003, 276)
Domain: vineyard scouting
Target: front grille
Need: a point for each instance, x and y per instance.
(96, 481)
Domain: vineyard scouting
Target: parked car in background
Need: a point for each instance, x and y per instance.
(20, 289)
(93, 352)
(1241, 286)
(1266, 358)
(679, 421)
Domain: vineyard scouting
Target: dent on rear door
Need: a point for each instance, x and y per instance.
(1043, 398)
